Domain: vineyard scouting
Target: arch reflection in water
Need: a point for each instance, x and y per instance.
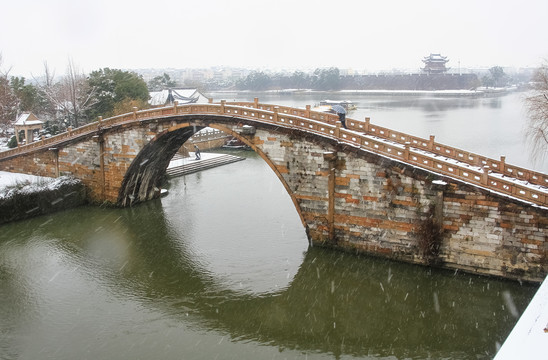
(216, 268)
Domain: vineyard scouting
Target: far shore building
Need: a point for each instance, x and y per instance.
(182, 96)
(28, 123)
(435, 64)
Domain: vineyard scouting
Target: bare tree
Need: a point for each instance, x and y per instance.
(8, 101)
(537, 108)
(71, 96)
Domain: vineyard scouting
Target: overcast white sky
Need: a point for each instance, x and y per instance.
(358, 34)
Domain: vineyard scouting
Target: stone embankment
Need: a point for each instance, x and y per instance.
(28, 200)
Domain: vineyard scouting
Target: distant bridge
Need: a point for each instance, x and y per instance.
(367, 187)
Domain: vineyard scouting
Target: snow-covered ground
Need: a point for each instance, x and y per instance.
(192, 159)
(4, 144)
(9, 179)
(30, 184)
(529, 338)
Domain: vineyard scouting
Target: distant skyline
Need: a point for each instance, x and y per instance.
(361, 35)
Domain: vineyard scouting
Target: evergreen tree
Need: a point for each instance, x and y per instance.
(113, 87)
(31, 98)
(160, 83)
(256, 80)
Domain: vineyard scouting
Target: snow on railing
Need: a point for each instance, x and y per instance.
(476, 169)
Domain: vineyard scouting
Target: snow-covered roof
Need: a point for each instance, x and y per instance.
(435, 57)
(27, 119)
(182, 96)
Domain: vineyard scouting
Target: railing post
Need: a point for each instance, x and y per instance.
(431, 143)
(276, 109)
(502, 164)
(367, 124)
(337, 130)
(69, 129)
(210, 100)
(99, 120)
(256, 103)
(485, 175)
(477, 161)
(223, 102)
(175, 104)
(406, 150)
(307, 111)
(134, 113)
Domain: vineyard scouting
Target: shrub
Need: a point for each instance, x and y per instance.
(12, 142)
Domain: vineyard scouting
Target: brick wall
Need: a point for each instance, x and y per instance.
(380, 206)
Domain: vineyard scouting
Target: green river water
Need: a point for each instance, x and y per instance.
(221, 268)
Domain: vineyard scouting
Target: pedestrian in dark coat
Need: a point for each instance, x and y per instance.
(342, 118)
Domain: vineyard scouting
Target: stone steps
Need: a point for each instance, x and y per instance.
(198, 165)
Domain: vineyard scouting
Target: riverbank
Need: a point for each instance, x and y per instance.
(24, 196)
(472, 92)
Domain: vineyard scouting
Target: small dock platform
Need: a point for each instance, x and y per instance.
(180, 166)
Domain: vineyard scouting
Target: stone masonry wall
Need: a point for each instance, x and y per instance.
(41, 164)
(381, 207)
(120, 150)
(83, 161)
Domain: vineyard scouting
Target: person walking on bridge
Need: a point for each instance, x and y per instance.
(197, 152)
(339, 110)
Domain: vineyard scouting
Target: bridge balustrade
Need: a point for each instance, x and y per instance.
(451, 152)
(206, 135)
(427, 154)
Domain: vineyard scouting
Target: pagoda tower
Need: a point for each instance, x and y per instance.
(435, 64)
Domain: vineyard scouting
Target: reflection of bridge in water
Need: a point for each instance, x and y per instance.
(364, 188)
(335, 304)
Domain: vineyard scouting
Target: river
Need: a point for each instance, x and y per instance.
(220, 268)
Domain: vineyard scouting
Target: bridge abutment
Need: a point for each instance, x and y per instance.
(357, 201)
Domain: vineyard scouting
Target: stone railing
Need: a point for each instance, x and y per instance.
(469, 158)
(207, 135)
(492, 174)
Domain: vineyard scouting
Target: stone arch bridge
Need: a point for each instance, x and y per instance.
(364, 188)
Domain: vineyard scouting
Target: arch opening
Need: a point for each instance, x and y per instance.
(147, 172)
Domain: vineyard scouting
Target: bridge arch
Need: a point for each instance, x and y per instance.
(146, 173)
(295, 163)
